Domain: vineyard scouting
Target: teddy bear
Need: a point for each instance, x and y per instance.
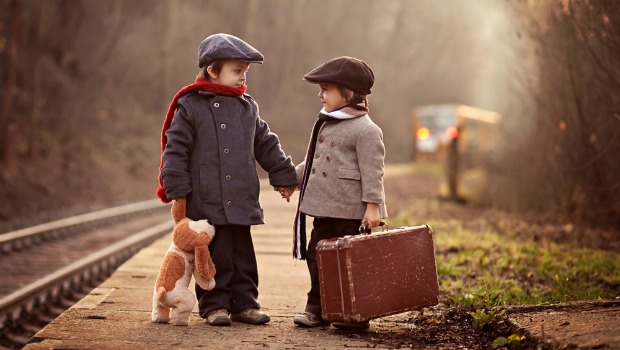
(188, 255)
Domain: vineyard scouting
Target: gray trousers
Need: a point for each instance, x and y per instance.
(236, 277)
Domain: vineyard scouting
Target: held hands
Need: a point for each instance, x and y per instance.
(286, 192)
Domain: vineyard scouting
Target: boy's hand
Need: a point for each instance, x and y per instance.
(372, 216)
(286, 192)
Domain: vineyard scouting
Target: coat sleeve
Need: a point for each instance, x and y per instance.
(175, 171)
(299, 168)
(271, 157)
(371, 156)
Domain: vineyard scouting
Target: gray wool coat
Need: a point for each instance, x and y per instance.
(347, 170)
(214, 143)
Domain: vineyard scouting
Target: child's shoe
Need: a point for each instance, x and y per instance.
(251, 316)
(308, 319)
(219, 317)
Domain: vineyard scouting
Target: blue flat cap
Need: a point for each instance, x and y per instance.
(226, 47)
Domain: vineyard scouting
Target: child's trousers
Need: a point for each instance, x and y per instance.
(236, 277)
(324, 228)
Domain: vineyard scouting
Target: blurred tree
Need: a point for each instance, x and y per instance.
(42, 18)
(566, 160)
(167, 48)
(9, 76)
(85, 85)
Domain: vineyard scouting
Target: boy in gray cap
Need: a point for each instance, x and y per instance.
(212, 138)
(342, 176)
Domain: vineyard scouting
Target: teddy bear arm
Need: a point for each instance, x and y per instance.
(178, 209)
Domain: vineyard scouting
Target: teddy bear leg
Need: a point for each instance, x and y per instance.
(179, 316)
(159, 314)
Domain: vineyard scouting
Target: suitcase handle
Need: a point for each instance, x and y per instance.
(365, 231)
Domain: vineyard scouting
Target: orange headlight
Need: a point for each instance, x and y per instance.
(423, 133)
(452, 133)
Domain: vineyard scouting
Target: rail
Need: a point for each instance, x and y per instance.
(40, 299)
(27, 236)
(109, 255)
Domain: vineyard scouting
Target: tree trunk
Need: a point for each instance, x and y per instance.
(167, 52)
(9, 83)
(37, 100)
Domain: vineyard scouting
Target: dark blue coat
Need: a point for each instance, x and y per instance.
(214, 143)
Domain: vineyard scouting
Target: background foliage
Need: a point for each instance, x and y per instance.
(85, 85)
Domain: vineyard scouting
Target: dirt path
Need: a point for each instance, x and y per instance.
(588, 324)
(116, 314)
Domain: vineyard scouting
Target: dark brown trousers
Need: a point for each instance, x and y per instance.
(324, 228)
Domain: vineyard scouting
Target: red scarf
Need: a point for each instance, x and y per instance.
(201, 84)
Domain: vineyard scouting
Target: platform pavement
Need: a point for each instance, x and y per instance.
(116, 314)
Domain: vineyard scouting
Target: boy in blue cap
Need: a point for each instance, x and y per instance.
(211, 140)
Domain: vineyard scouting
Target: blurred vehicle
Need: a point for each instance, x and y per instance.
(464, 138)
(433, 127)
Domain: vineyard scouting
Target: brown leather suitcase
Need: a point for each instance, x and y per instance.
(373, 275)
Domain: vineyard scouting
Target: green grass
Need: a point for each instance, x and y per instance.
(482, 267)
(485, 269)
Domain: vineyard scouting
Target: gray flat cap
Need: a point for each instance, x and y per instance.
(225, 47)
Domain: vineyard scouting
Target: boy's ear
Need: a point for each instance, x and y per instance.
(348, 95)
(211, 73)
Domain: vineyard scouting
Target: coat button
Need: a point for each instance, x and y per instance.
(324, 174)
(216, 104)
(228, 177)
(313, 170)
(317, 156)
(229, 203)
(223, 126)
(332, 144)
(327, 158)
(226, 150)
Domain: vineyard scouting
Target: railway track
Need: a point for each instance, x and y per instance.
(46, 268)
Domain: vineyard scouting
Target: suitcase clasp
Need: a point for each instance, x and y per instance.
(365, 231)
